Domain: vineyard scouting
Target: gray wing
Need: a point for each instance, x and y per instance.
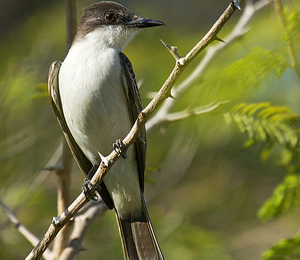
(83, 162)
(53, 87)
(135, 107)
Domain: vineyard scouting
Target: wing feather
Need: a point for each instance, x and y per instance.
(83, 162)
(135, 107)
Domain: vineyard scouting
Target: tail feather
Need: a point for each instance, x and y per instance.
(138, 238)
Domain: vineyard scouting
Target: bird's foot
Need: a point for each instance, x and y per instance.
(120, 148)
(89, 190)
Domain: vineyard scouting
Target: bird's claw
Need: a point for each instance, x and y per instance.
(89, 190)
(120, 148)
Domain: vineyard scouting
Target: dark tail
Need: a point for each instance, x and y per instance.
(138, 238)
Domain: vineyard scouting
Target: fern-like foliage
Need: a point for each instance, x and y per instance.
(287, 249)
(251, 70)
(268, 125)
(273, 126)
(292, 21)
(285, 198)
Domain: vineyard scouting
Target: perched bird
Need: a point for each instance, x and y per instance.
(96, 101)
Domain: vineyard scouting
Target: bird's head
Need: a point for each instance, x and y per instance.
(111, 24)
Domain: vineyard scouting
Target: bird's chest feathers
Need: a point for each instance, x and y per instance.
(98, 85)
(94, 84)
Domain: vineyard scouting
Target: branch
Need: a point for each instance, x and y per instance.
(71, 21)
(181, 115)
(56, 225)
(133, 135)
(64, 174)
(81, 223)
(23, 230)
(238, 31)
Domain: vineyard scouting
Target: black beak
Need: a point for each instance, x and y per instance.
(141, 22)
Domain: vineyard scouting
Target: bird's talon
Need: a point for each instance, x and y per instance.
(89, 190)
(120, 148)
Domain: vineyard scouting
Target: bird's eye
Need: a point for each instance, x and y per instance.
(110, 17)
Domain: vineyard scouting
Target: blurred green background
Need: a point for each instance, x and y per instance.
(204, 189)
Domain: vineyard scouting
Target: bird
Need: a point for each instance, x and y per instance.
(96, 101)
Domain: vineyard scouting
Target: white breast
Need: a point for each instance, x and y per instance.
(93, 98)
(96, 110)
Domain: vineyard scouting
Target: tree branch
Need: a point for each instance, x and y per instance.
(238, 31)
(64, 174)
(133, 135)
(23, 230)
(81, 224)
(181, 115)
(71, 21)
(56, 225)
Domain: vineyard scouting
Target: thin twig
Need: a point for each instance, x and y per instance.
(23, 230)
(64, 174)
(181, 115)
(63, 197)
(172, 50)
(56, 225)
(81, 224)
(71, 21)
(133, 135)
(238, 31)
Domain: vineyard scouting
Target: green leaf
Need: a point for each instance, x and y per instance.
(292, 23)
(286, 157)
(268, 125)
(266, 151)
(284, 199)
(227, 118)
(286, 249)
(252, 69)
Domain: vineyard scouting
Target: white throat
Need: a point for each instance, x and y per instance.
(111, 36)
